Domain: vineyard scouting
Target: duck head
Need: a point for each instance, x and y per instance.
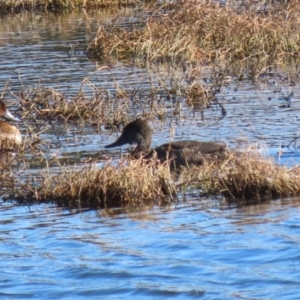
(7, 131)
(137, 132)
(5, 113)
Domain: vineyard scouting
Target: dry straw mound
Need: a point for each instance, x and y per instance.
(241, 177)
(245, 177)
(126, 183)
(205, 31)
(48, 104)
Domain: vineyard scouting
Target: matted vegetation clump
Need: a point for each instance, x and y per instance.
(241, 177)
(126, 183)
(245, 177)
(205, 31)
(103, 106)
(48, 104)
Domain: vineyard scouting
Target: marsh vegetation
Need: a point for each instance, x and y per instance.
(12, 6)
(209, 45)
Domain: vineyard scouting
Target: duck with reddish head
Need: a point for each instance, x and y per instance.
(8, 133)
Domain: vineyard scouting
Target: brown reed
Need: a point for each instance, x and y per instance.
(245, 177)
(247, 40)
(48, 104)
(241, 177)
(126, 183)
(7, 6)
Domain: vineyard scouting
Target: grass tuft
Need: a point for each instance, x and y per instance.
(241, 177)
(247, 39)
(126, 183)
(7, 6)
(245, 177)
(47, 104)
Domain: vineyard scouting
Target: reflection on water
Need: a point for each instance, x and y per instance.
(191, 251)
(198, 249)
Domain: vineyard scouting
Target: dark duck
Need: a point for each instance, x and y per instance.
(180, 153)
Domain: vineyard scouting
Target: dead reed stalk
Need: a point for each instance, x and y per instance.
(126, 183)
(7, 6)
(205, 31)
(241, 177)
(245, 177)
(47, 104)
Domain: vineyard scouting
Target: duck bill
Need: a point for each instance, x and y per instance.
(119, 142)
(9, 116)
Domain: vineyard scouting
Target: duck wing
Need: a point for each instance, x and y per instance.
(185, 153)
(194, 146)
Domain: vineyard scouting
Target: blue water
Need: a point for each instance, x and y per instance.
(191, 251)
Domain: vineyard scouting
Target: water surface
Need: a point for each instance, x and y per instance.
(192, 251)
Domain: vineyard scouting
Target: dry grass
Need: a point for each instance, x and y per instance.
(126, 183)
(43, 107)
(7, 6)
(198, 96)
(245, 177)
(114, 42)
(49, 105)
(242, 177)
(246, 40)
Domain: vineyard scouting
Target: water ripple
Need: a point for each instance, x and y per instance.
(212, 254)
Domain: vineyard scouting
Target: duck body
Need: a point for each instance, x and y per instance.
(180, 153)
(8, 133)
(187, 153)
